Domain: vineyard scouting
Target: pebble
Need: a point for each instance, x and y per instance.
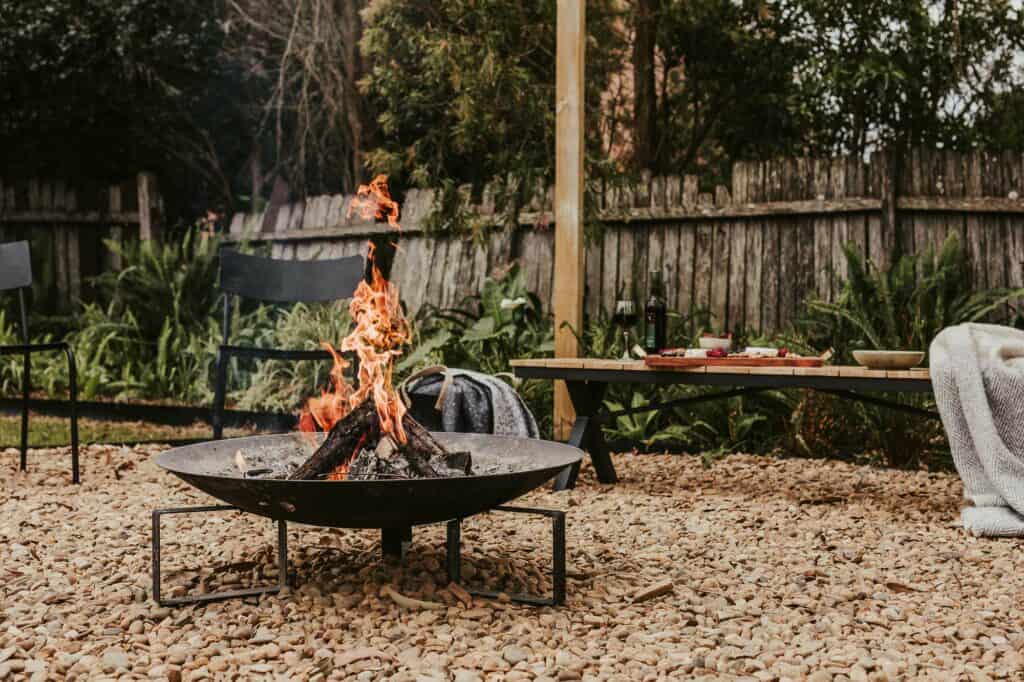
(115, 659)
(515, 654)
(813, 551)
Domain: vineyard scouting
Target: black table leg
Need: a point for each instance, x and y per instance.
(587, 398)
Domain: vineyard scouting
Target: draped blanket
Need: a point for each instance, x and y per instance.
(472, 402)
(977, 371)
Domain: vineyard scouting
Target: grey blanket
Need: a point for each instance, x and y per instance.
(471, 402)
(977, 372)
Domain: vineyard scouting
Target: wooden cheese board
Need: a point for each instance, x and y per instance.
(733, 361)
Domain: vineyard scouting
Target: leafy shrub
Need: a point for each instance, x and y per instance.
(903, 307)
(152, 331)
(284, 386)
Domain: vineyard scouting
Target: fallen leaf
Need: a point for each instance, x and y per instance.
(900, 588)
(409, 602)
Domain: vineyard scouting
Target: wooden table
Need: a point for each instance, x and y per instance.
(588, 378)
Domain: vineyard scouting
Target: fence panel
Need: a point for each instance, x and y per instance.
(67, 227)
(748, 255)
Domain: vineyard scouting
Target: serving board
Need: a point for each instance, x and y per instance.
(788, 361)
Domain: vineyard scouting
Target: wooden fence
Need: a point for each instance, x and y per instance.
(67, 226)
(749, 253)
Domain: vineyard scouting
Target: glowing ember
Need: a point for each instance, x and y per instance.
(380, 332)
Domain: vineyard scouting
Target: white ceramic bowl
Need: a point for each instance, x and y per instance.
(712, 342)
(888, 359)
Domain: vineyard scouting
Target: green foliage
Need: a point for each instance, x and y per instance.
(904, 307)
(727, 89)
(465, 91)
(908, 72)
(284, 386)
(10, 366)
(99, 88)
(152, 332)
(643, 427)
(503, 322)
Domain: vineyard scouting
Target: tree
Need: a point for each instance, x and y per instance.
(301, 61)
(726, 88)
(645, 97)
(1002, 125)
(98, 89)
(464, 89)
(905, 72)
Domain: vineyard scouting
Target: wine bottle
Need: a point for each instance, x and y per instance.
(655, 316)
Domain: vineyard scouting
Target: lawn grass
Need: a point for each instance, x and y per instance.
(54, 431)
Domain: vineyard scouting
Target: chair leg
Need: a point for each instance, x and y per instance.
(219, 395)
(73, 391)
(26, 382)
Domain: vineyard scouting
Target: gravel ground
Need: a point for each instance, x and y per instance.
(780, 569)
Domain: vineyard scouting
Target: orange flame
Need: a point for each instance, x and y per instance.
(374, 202)
(379, 333)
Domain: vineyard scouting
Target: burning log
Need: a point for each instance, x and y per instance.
(369, 434)
(341, 443)
(356, 448)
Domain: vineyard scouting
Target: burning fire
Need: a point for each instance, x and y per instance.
(374, 202)
(379, 333)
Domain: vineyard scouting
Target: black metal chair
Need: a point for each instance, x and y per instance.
(277, 281)
(16, 273)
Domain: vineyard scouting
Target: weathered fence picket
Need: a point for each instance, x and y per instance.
(67, 227)
(748, 254)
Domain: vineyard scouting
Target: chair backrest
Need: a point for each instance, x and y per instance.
(289, 281)
(15, 266)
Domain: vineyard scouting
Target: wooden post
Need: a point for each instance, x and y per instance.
(567, 298)
(115, 207)
(148, 226)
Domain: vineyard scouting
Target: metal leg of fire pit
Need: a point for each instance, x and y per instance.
(557, 598)
(395, 541)
(282, 561)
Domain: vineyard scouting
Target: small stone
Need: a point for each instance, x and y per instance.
(515, 654)
(263, 636)
(115, 659)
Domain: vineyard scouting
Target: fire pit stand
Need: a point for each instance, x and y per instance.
(394, 542)
(557, 598)
(282, 560)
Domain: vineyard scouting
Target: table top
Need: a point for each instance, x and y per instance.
(830, 378)
(599, 364)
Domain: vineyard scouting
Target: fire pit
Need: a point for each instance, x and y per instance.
(250, 474)
(363, 461)
(505, 468)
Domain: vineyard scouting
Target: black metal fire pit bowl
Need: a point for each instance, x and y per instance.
(505, 468)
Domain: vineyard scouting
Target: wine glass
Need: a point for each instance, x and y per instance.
(625, 318)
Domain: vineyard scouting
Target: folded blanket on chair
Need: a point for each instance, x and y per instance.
(473, 402)
(977, 371)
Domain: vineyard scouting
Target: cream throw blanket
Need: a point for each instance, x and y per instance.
(978, 374)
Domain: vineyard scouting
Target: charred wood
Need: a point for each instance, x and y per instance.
(344, 438)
